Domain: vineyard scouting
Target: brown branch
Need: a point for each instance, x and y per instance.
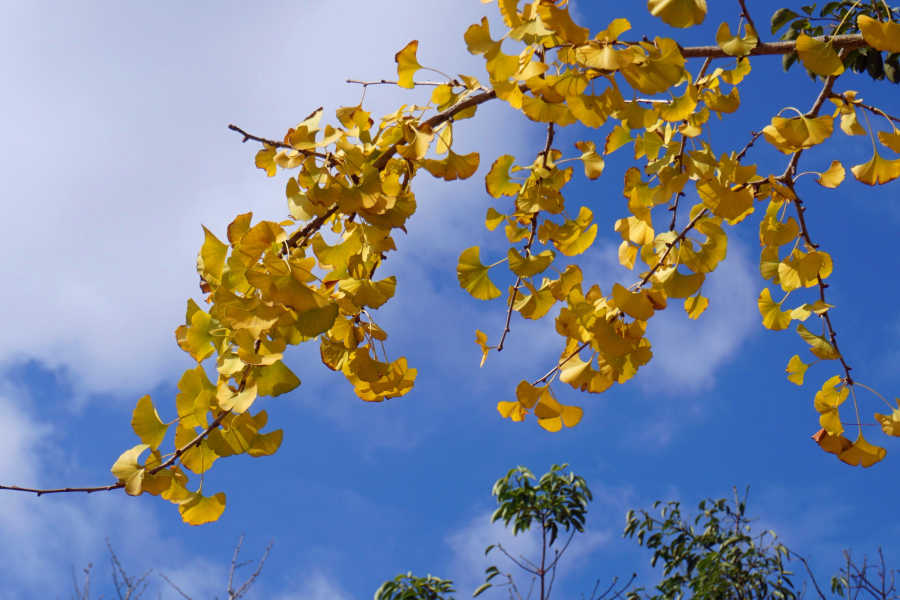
(672, 244)
(561, 363)
(299, 237)
(849, 42)
(453, 83)
(748, 146)
(788, 178)
(275, 144)
(512, 299)
(168, 463)
(746, 14)
(872, 109)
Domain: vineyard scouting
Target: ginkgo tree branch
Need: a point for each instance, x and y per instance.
(850, 42)
(165, 465)
(789, 179)
(452, 83)
(746, 13)
(551, 132)
(872, 109)
(276, 144)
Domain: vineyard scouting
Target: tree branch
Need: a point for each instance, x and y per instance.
(849, 42)
(746, 14)
(452, 84)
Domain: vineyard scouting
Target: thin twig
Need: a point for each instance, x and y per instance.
(743, 152)
(746, 14)
(788, 178)
(177, 589)
(249, 583)
(453, 83)
(276, 144)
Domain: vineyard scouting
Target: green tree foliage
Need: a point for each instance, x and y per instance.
(713, 555)
(314, 277)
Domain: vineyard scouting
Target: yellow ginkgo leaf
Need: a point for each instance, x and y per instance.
(773, 232)
(733, 205)
(529, 266)
(819, 57)
(819, 346)
(473, 276)
(407, 65)
(146, 423)
(481, 340)
(833, 444)
(890, 423)
(211, 259)
(455, 166)
(798, 133)
(512, 410)
(581, 376)
(678, 13)
(634, 304)
(862, 453)
(593, 162)
(877, 171)
(197, 509)
(735, 45)
(827, 402)
(498, 182)
(881, 36)
(677, 285)
(891, 140)
(604, 57)
(695, 305)
(773, 317)
(194, 338)
(199, 458)
(833, 176)
(796, 369)
(236, 401)
(129, 471)
(274, 380)
(803, 312)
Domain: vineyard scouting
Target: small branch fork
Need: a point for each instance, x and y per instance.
(165, 465)
(788, 178)
(746, 14)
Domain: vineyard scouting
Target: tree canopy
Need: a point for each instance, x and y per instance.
(313, 277)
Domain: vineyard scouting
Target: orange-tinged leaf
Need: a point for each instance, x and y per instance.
(833, 444)
(833, 176)
(197, 509)
(891, 140)
(862, 453)
(407, 65)
(881, 36)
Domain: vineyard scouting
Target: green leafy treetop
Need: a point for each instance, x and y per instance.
(271, 285)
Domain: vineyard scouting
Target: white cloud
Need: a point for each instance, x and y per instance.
(316, 585)
(137, 98)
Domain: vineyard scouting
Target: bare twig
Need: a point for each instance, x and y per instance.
(130, 588)
(453, 83)
(746, 13)
(743, 152)
(234, 595)
(177, 589)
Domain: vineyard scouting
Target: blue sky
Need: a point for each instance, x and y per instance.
(117, 150)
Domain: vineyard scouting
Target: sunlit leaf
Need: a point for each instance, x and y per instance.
(147, 425)
(678, 13)
(197, 509)
(473, 276)
(833, 176)
(881, 36)
(407, 65)
(862, 453)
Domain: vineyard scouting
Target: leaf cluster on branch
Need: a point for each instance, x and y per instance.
(312, 277)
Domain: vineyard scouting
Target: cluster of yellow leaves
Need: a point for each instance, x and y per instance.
(313, 277)
(308, 278)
